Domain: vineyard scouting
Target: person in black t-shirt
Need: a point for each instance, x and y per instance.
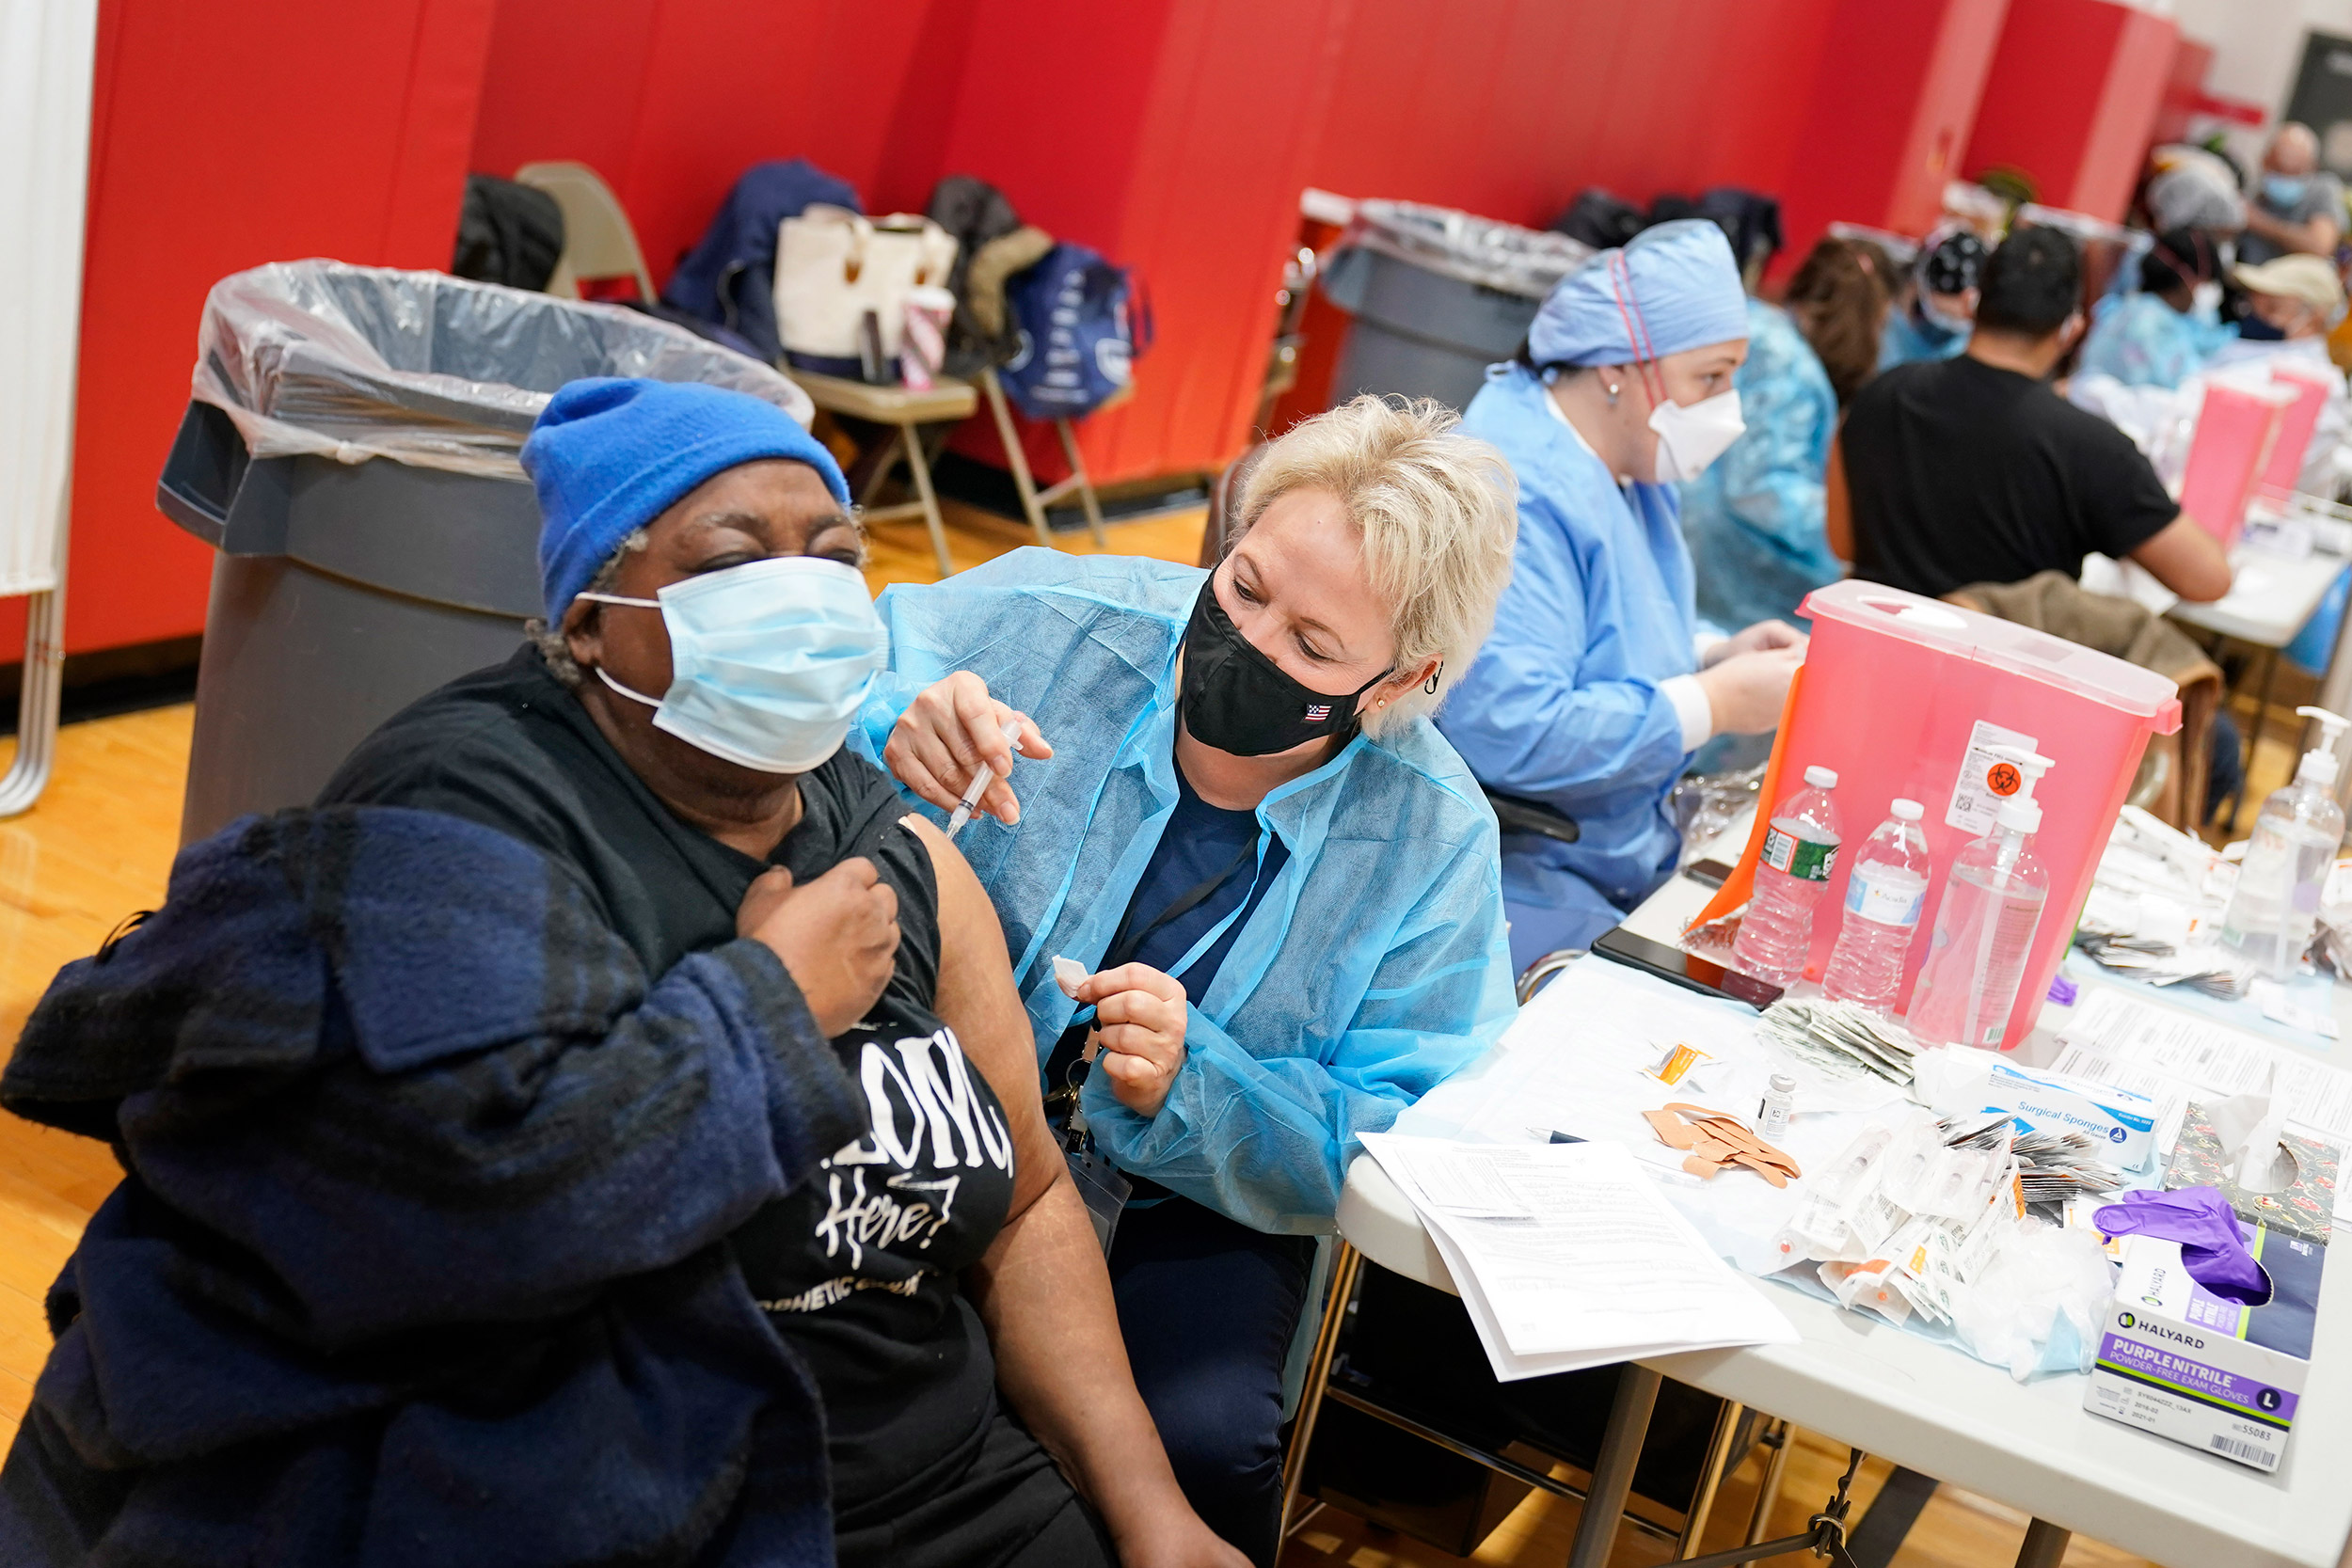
(1973, 471)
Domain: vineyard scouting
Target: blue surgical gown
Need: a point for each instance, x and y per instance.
(2143, 341)
(1756, 519)
(1562, 705)
(1911, 336)
(1375, 965)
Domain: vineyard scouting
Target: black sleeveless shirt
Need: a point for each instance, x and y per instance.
(857, 1267)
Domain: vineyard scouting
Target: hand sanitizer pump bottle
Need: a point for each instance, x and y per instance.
(2295, 839)
(1985, 925)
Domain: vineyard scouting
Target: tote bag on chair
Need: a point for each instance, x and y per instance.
(834, 267)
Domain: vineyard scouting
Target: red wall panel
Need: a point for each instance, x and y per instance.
(1199, 118)
(670, 100)
(2073, 99)
(222, 136)
(1174, 135)
(1888, 115)
(2184, 89)
(1510, 112)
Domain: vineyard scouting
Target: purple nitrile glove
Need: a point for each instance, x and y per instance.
(2213, 1242)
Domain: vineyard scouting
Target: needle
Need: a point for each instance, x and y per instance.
(980, 781)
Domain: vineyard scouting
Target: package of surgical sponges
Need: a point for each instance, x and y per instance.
(2221, 1375)
(2123, 1123)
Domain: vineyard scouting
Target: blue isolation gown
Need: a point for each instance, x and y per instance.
(1756, 519)
(1911, 336)
(2143, 341)
(1373, 968)
(1563, 705)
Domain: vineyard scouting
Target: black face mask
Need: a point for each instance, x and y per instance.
(1239, 701)
(2254, 330)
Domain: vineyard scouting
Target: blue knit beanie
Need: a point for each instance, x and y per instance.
(609, 455)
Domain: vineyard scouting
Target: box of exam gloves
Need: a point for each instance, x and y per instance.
(2176, 1360)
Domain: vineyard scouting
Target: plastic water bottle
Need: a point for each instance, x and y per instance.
(1984, 928)
(1883, 895)
(1800, 852)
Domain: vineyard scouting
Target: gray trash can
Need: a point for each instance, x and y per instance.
(351, 453)
(1437, 296)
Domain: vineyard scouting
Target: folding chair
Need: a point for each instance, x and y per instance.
(598, 239)
(907, 412)
(1035, 501)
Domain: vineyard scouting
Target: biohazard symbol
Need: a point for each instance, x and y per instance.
(2004, 779)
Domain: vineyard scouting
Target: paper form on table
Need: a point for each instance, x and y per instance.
(2120, 1040)
(1575, 1061)
(2200, 1053)
(2318, 1097)
(1601, 1268)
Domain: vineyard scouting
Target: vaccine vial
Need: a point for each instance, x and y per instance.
(1772, 1113)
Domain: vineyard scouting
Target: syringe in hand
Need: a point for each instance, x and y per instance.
(981, 779)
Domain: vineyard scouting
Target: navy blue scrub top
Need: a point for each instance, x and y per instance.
(1201, 840)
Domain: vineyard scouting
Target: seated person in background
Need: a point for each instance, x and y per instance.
(1973, 471)
(604, 1131)
(1283, 880)
(2296, 207)
(2165, 332)
(2292, 301)
(1931, 322)
(1755, 520)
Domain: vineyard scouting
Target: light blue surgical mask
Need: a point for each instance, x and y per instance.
(2283, 190)
(768, 660)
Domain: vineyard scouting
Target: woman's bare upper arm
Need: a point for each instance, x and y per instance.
(977, 999)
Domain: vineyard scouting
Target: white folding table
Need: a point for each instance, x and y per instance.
(2269, 602)
(1929, 1408)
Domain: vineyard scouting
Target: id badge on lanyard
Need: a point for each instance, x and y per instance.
(1103, 1185)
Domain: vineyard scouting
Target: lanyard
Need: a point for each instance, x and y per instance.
(1060, 1065)
(1124, 946)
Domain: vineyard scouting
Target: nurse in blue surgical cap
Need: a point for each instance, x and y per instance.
(1598, 681)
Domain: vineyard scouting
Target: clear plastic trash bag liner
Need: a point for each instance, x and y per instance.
(357, 362)
(1497, 254)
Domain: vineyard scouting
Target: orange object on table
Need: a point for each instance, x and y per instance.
(1718, 1140)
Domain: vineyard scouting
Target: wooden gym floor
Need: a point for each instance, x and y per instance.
(100, 845)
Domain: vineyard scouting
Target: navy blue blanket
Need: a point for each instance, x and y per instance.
(421, 1256)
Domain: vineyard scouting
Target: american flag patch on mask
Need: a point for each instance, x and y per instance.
(1318, 712)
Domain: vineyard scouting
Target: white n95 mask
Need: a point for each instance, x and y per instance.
(768, 660)
(1689, 438)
